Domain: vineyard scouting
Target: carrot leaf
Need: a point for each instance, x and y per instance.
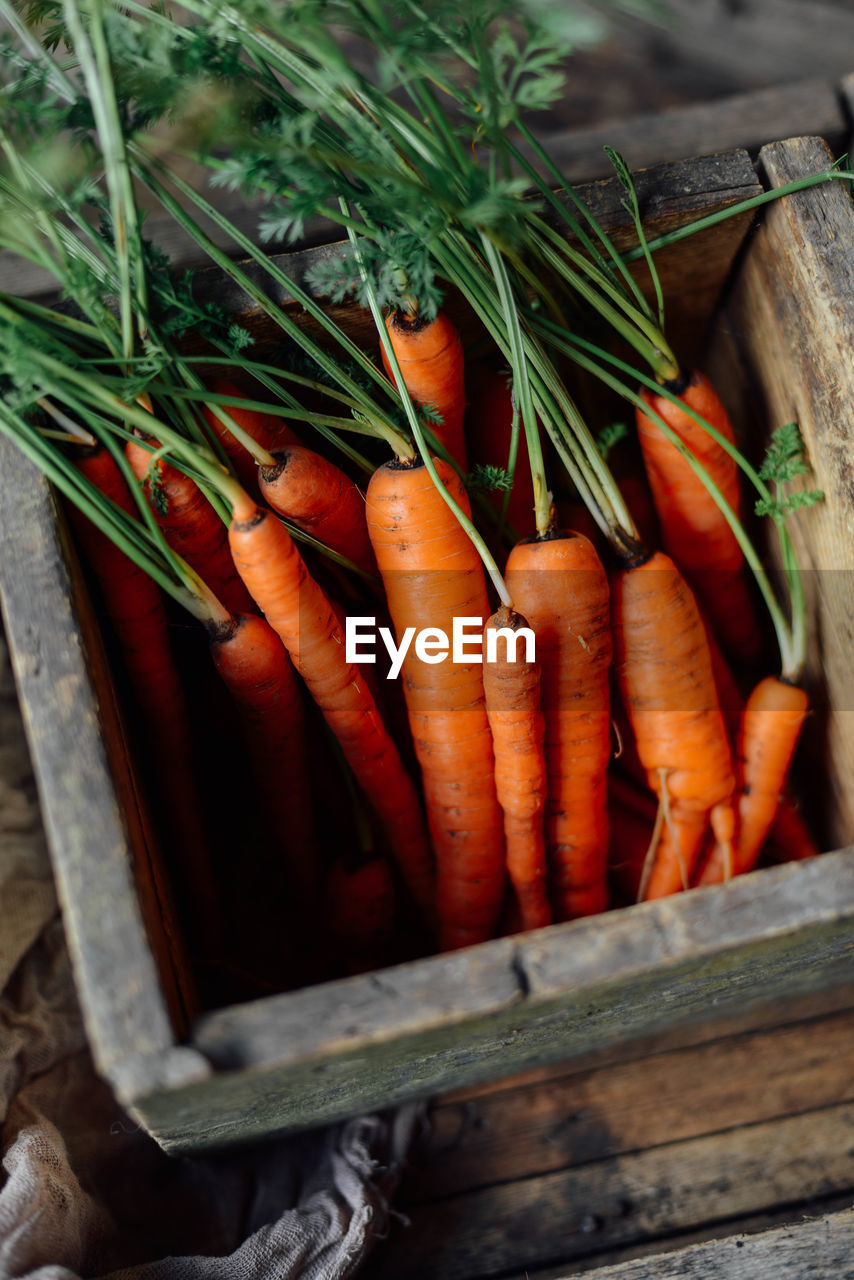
(784, 461)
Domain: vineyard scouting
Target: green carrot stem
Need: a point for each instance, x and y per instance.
(542, 506)
(741, 206)
(617, 261)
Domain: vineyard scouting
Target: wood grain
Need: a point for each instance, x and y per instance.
(580, 1211)
(580, 1117)
(747, 120)
(816, 1249)
(559, 993)
(124, 1009)
(793, 309)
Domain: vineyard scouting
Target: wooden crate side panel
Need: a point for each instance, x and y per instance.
(693, 272)
(558, 993)
(793, 310)
(125, 1012)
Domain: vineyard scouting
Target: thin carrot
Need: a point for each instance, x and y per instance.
(190, 525)
(665, 674)
(560, 586)
(432, 575)
(319, 498)
(136, 611)
(257, 671)
(430, 355)
(694, 532)
(511, 684)
(301, 615)
(769, 732)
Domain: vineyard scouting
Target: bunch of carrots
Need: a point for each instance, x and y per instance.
(638, 751)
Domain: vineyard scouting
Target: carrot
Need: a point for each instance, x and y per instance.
(790, 837)
(257, 671)
(359, 912)
(430, 355)
(665, 675)
(320, 499)
(266, 429)
(190, 525)
(136, 611)
(694, 531)
(489, 418)
(301, 615)
(512, 689)
(769, 732)
(433, 574)
(560, 586)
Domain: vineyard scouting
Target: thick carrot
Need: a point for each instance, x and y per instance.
(190, 525)
(135, 608)
(512, 688)
(266, 429)
(258, 673)
(694, 531)
(319, 498)
(432, 575)
(769, 732)
(430, 355)
(560, 586)
(301, 615)
(665, 674)
(489, 419)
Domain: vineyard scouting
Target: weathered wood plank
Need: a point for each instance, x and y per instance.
(793, 308)
(125, 1014)
(759, 41)
(813, 1250)
(559, 1123)
(747, 120)
(376, 1039)
(580, 1211)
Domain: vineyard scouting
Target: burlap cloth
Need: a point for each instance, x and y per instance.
(84, 1193)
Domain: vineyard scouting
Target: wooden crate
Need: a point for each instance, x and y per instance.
(595, 985)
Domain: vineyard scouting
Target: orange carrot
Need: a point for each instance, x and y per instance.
(560, 586)
(512, 688)
(320, 499)
(665, 674)
(266, 429)
(135, 608)
(190, 525)
(301, 615)
(694, 531)
(790, 837)
(433, 574)
(769, 732)
(430, 355)
(258, 673)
